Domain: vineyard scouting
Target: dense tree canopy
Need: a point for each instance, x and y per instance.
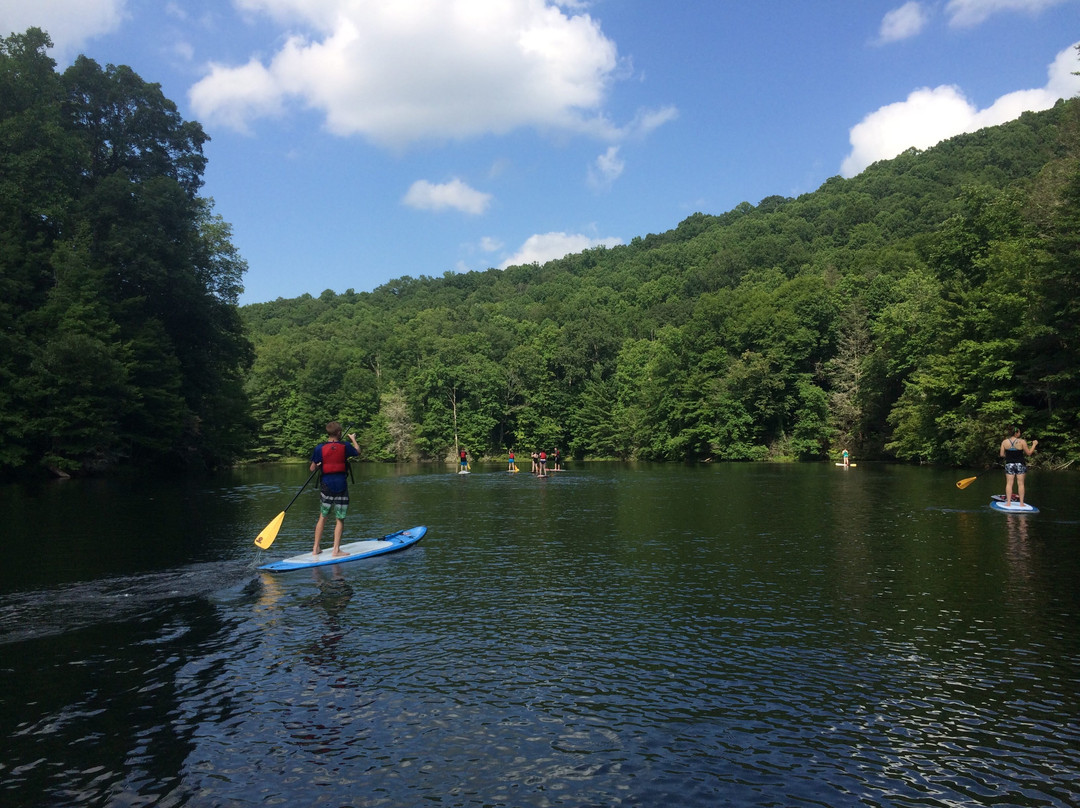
(120, 338)
(912, 312)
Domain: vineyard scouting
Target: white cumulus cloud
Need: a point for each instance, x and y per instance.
(544, 247)
(401, 72)
(930, 115)
(69, 23)
(904, 22)
(454, 195)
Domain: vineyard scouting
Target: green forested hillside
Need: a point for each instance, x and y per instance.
(120, 339)
(913, 311)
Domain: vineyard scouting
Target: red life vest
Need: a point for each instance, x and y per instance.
(333, 458)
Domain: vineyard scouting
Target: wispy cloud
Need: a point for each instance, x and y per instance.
(966, 13)
(453, 195)
(903, 23)
(606, 169)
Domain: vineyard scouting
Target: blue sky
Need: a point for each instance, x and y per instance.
(357, 141)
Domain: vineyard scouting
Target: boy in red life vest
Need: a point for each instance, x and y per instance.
(333, 456)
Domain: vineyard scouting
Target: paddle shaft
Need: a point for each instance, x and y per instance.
(964, 483)
(298, 493)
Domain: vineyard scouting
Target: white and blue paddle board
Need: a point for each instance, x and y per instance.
(356, 550)
(998, 503)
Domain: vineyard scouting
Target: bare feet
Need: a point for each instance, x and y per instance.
(339, 554)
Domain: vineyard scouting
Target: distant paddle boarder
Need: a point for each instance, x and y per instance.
(1016, 451)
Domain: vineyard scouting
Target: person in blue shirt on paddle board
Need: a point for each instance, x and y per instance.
(1016, 451)
(847, 459)
(333, 457)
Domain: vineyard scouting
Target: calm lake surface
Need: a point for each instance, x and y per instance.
(617, 634)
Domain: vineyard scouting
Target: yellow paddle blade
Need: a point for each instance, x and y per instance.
(965, 482)
(269, 533)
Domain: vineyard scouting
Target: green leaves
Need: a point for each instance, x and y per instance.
(120, 334)
(907, 312)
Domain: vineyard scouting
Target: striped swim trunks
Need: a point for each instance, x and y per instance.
(338, 503)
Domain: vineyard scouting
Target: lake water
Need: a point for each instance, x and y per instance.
(617, 634)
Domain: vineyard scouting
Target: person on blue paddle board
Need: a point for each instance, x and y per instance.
(1016, 451)
(333, 456)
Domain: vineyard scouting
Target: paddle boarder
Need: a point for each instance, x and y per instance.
(1016, 451)
(847, 459)
(512, 466)
(464, 466)
(332, 457)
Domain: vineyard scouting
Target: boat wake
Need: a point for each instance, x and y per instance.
(58, 610)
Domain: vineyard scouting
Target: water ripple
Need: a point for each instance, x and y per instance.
(650, 660)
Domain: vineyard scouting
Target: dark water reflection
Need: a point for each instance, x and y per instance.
(615, 635)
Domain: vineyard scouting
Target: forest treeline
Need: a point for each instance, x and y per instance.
(911, 312)
(120, 337)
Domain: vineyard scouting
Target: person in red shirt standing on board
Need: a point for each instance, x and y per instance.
(333, 457)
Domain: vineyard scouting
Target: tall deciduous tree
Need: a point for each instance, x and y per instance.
(118, 283)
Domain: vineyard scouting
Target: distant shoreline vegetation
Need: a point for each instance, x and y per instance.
(910, 313)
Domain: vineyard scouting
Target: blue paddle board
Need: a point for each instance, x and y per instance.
(998, 503)
(356, 550)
